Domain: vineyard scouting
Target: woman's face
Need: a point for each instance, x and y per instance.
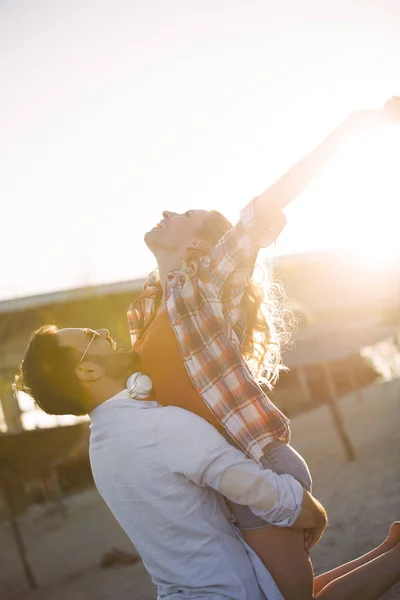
(176, 231)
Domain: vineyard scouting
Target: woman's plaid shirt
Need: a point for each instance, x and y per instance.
(209, 323)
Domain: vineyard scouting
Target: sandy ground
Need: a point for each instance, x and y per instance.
(362, 499)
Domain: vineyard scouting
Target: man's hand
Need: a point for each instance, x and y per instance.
(313, 519)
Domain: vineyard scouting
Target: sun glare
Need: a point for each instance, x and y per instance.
(358, 199)
(374, 239)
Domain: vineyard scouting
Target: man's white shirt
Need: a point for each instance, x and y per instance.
(162, 471)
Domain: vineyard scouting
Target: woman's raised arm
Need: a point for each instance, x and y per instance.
(292, 183)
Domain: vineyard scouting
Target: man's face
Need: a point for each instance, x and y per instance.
(176, 231)
(97, 347)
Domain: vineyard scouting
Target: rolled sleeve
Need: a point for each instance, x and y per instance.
(288, 504)
(275, 498)
(236, 252)
(262, 231)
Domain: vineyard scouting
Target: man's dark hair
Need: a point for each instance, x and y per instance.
(47, 373)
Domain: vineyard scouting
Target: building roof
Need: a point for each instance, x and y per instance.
(335, 341)
(28, 302)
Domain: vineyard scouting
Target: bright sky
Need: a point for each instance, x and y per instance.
(111, 111)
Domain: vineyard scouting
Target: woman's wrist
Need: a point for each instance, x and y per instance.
(362, 120)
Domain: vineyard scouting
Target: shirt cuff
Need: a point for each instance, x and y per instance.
(290, 503)
(262, 232)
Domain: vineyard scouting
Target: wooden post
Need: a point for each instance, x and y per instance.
(56, 493)
(30, 577)
(11, 409)
(337, 417)
(354, 383)
(303, 382)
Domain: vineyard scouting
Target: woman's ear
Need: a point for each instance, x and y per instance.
(198, 249)
(88, 371)
(199, 245)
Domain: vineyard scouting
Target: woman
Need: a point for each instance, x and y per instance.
(199, 328)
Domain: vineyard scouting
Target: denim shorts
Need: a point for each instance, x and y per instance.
(280, 458)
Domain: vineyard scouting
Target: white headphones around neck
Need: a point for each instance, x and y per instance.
(139, 386)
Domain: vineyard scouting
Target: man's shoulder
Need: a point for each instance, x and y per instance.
(175, 417)
(161, 418)
(175, 425)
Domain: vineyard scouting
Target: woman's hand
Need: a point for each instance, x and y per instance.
(375, 117)
(392, 110)
(294, 182)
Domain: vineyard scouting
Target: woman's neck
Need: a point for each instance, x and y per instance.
(167, 263)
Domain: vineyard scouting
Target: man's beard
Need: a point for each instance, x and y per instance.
(120, 365)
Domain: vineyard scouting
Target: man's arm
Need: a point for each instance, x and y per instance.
(192, 447)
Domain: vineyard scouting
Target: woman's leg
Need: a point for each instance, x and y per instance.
(390, 542)
(280, 548)
(367, 582)
(365, 578)
(282, 551)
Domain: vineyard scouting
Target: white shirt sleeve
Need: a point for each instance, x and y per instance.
(191, 447)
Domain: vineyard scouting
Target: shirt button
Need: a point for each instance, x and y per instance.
(170, 277)
(176, 323)
(186, 355)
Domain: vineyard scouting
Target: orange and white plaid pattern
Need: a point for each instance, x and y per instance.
(209, 323)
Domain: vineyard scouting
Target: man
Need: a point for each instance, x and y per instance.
(163, 471)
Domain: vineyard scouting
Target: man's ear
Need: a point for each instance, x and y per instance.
(88, 371)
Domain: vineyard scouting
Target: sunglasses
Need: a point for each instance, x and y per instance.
(93, 335)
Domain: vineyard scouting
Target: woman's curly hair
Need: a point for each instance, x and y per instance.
(268, 323)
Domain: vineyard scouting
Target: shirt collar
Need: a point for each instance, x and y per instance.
(120, 400)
